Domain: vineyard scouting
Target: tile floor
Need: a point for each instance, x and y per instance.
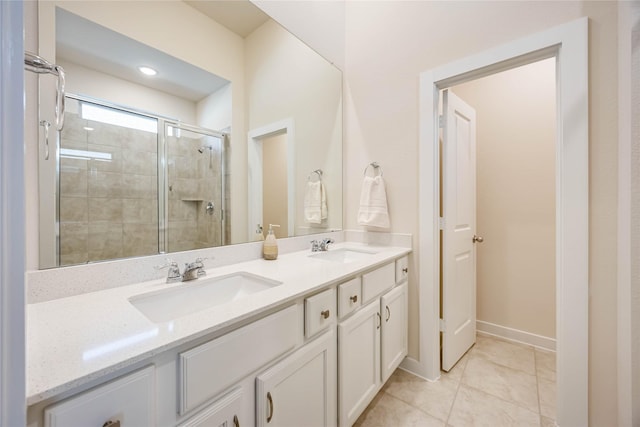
(497, 383)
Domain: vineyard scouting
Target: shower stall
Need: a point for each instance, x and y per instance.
(129, 183)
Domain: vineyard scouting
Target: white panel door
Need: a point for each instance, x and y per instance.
(459, 212)
(358, 362)
(394, 345)
(300, 390)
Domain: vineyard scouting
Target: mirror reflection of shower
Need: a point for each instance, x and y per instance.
(130, 184)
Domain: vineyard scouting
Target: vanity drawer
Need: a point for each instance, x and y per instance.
(319, 312)
(210, 368)
(349, 296)
(378, 281)
(402, 269)
(129, 398)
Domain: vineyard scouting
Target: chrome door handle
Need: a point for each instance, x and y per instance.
(477, 239)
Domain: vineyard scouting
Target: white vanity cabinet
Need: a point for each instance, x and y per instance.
(372, 342)
(226, 411)
(125, 402)
(301, 389)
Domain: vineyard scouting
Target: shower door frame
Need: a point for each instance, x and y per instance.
(163, 178)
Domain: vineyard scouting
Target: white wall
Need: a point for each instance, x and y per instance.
(92, 83)
(287, 80)
(389, 43)
(214, 111)
(516, 131)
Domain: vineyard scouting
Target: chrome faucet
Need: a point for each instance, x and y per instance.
(321, 245)
(192, 270)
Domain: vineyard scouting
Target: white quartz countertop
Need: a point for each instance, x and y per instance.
(72, 341)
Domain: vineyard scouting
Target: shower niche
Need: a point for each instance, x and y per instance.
(133, 184)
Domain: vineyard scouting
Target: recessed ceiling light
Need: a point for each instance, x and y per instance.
(87, 128)
(147, 71)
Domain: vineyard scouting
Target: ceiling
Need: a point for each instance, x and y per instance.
(86, 43)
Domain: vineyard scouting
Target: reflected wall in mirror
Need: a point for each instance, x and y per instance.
(190, 181)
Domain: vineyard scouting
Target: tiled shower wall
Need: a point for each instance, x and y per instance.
(194, 181)
(108, 208)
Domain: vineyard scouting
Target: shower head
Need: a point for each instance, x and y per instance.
(201, 150)
(205, 147)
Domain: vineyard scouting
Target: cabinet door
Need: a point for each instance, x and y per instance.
(225, 412)
(127, 400)
(393, 308)
(358, 362)
(301, 389)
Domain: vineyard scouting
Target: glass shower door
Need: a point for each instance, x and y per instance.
(194, 188)
(108, 175)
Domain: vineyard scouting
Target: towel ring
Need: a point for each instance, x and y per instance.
(375, 167)
(317, 172)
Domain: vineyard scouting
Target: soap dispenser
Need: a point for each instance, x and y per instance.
(270, 246)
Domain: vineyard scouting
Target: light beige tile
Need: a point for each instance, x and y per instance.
(476, 408)
(547, 393)
(105, 184)
(386, 410)
(138, 187)
(105, 209)
(105, 241)
(434, 398)
(139, 239)
(456, 372)
(515, 356)
(73, 209)
(547, 422)
(143, 141)
(546, 364)
(73, 182)
(139, 162)
(73, 238)
(509, 384)
(74, 258)
(140, 211)
(105, 134)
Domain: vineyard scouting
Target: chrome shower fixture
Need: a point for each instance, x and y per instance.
(204, 147)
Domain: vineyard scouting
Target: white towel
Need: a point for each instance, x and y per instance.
(373, 203)
(315, 203)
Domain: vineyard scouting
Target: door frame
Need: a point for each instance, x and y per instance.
(254, 158)
(568, 43)
(12, 217)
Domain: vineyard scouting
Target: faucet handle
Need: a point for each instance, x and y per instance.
(173, 272)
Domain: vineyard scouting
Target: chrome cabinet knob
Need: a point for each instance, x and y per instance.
(477, 239)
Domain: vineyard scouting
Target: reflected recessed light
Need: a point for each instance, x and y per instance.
(147, 71)
(87, 128)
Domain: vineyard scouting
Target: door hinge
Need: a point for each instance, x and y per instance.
(441, 223)
(442, 326)
(440, 121)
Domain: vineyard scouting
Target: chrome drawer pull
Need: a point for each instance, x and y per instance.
(388, 313)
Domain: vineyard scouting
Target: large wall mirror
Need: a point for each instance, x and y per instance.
(240, 127)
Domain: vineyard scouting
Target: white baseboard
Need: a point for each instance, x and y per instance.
(414, 367)
(515, 335)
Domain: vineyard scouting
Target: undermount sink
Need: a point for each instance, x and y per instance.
(199, 295)
(342, 255)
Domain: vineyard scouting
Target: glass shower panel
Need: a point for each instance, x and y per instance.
(195, 188)
(108, 184)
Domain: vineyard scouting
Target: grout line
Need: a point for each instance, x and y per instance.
(455, 396)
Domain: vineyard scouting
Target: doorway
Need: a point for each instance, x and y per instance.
(568, 44)
(270, 152)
